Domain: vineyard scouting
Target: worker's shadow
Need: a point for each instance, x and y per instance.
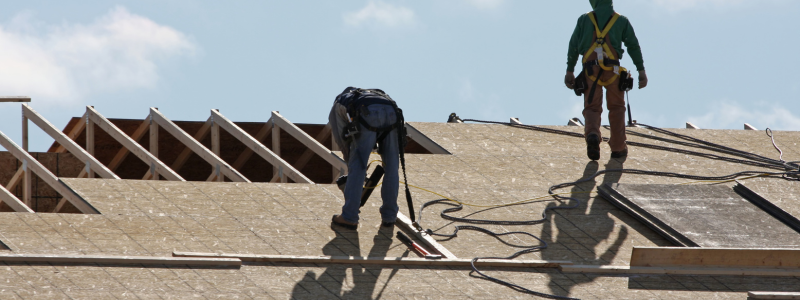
(575, 234)
(332, 282)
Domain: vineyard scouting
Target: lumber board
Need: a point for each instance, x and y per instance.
(46, 175)
(773, 295)
(307, 140)
(260, 136)
(131, 145)
(277, 171)
(381, 260)
(424, 141)
(258, 148)
(308, 154)
(73, 134)
(136, 136)
(12, 201)
(406, 223)
(90, 143)
(15, 99)
(605, 269)
(195, 146)
(184, 156)
(110, 259)
(714, 257)
(25, 133)
(68, 143)
(15, 179)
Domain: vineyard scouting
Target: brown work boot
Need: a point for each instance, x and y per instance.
(593, 146)
(619, 154)
(339, 220)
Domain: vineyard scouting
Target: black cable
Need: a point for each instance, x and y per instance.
(753, 159)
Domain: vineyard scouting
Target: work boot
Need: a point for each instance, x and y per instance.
(339, 220)
(619, 154)
(593, 146)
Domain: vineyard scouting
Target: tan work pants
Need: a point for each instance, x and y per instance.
(615, 102)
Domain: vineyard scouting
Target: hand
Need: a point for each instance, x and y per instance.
(569, 80)
(642, 79)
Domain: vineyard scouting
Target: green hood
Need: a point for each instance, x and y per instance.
(601, 3)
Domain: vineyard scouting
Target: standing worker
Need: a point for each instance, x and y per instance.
(599, 35)
(360, 118)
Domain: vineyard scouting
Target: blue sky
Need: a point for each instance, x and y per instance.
(716, 63)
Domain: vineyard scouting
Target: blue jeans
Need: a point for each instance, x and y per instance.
(376, 115)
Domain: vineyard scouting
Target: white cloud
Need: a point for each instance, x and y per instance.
(733, 115)
(486, 4)
(65, 63)
(679, 5)
(380, 14)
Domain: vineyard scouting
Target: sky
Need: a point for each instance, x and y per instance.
(715, 63)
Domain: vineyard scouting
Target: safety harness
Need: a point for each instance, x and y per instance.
(602, 49)
(360, 99)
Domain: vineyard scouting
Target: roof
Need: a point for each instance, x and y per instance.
(489, 164)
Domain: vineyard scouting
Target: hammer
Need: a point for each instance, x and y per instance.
(403, 238)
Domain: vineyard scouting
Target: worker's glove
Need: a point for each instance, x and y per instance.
(569, 80)
(642, 79)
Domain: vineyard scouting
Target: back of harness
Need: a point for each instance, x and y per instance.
(603, 50)
(360, 99)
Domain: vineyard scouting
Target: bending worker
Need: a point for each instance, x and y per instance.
(599, 35)
(360, 118)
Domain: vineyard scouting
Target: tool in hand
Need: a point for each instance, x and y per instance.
(403, 238)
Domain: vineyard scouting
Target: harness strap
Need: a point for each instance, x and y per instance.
(600, 36)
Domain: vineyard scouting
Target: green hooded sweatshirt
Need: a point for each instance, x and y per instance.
(622, 32)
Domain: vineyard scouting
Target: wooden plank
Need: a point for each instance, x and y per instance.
(24, 133)
(714, 257)
(46, 175)
(260, 136)
(259, 148)
(153, 147)
(308, 154)
(215, 147)
(15, 99)
(381, 260)
(773, 295)
(199, 135)
(406, 223)
(202, 151)
(111, 259)
(277, 170)
(90, 143)
(131, 145)
(136, 136)
(27, 183)
(15, 179)
(307, 140)
(68, 143)
(12, 201)
(74, 133)
(424, 141)
(600, 269)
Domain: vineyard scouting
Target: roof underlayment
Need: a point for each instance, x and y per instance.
(489, 164)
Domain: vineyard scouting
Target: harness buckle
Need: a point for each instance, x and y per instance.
(600, 41)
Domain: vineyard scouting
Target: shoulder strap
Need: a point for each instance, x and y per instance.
(609, 24)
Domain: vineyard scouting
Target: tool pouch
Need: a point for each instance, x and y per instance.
(580, 83)
(625, 81)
